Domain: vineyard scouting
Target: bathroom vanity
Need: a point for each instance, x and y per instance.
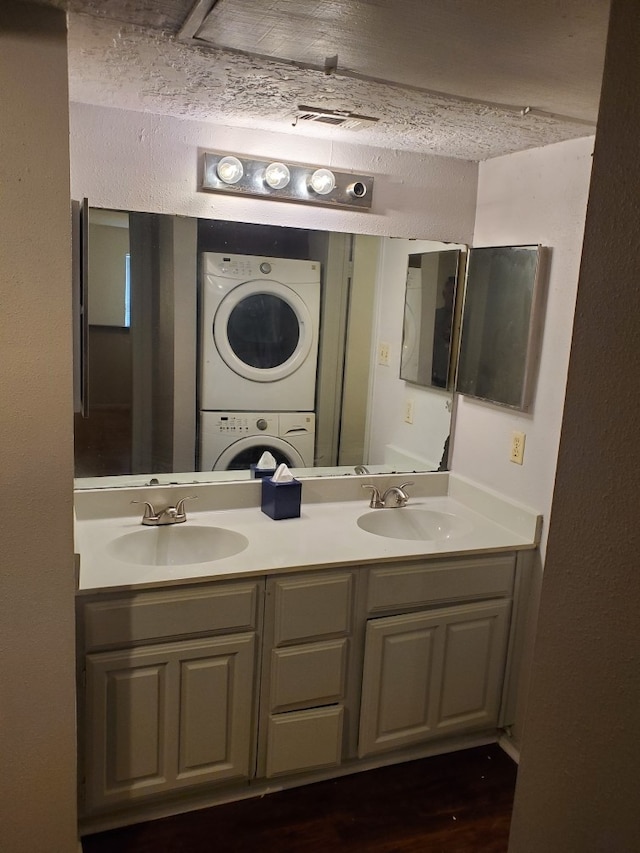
(318, 648)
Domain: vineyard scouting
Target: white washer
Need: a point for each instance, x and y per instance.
(259, 333)
(234, 440)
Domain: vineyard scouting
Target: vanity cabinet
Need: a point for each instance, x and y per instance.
(196, 693)
(169, 698)
(307, 674)
(434, 670)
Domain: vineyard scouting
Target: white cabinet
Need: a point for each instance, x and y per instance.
(193, 691)
(163, 710)
(308, 672)
(432, 674)
(167, 716)
(435, 650)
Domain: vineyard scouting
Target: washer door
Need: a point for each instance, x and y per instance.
(245, 452)
(263, 330)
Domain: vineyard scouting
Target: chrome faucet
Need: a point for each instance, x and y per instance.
(166, 515)
(399, 491)
(380, 502)
(361, 469)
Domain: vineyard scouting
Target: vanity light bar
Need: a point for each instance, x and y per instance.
(228, 173)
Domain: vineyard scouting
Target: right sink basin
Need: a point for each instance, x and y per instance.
(413, 523)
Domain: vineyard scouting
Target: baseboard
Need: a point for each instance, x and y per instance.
(505, 743)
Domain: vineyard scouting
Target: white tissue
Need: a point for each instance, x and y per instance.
(267, 462)
(282, 474)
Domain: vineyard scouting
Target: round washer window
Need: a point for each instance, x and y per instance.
(263, 331)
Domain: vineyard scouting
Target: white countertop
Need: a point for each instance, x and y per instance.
(326, 534)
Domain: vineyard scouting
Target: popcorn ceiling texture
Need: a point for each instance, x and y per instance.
(136, 68)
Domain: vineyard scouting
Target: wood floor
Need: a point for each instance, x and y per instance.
(456, 803)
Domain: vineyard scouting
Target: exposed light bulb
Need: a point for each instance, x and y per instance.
(322, 181)
(277, 176)
(230, 170)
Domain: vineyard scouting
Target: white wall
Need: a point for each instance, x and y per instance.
(137, 161)
(37, 584)
(578, 786)
(537, 196)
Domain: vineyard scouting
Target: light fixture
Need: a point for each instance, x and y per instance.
(357, 190)
(322, 181)
(277, 176)
(230, 170)
(224, 172)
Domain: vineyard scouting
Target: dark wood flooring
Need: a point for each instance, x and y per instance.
(456, 803)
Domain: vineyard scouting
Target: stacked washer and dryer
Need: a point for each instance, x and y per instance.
(258, 357)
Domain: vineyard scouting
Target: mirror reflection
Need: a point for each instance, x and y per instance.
(428, 318)
(211, 342)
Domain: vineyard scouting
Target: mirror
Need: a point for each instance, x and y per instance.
(148, 411)
(500, 325)
(428, 318)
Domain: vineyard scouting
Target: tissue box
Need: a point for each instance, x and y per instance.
(260, 473)
(281, 500)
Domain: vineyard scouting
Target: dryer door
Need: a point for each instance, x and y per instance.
(263, 330)
(245, 452)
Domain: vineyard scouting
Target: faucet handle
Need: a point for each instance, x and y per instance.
(376, 500)
(402, 496)
(149, 511)
(180, 503)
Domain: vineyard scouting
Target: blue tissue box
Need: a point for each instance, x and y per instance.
(260, 473)
(281, 500)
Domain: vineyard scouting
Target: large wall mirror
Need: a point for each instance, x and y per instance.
(211, 341)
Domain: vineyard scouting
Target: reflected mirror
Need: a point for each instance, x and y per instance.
(210, 342)
(428, 318)
(500, 335)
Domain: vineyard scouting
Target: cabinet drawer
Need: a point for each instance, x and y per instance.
(155, 615)
(311, 607)
(304, 740)
(308, 675)
(440, 581)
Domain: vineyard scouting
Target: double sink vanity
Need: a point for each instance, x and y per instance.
(231, 655)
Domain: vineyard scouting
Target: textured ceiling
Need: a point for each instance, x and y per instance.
(448, 77)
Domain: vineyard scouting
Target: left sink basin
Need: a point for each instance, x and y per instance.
(174, 545)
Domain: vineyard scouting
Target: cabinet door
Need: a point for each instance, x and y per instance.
(432, 674)
(164, 717)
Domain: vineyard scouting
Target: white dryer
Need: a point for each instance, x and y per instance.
(258, 333)
(231, 441)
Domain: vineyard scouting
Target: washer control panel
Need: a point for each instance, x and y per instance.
(246, 423)
(236, 267)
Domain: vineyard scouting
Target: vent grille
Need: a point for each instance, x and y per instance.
(337, 118)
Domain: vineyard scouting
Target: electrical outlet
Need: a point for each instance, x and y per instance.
(383, 354)
(408, 412)
(517, 447)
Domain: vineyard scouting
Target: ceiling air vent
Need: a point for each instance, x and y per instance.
(337, 118)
